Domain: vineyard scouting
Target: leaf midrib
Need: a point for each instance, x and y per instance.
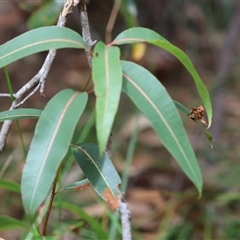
(95, 164)
(107, 85)
(50, 146)
(163, 119)
(43, 42)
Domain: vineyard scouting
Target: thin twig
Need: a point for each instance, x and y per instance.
(29, 95)
(108, 148)
(111, 21)
(90, 91)
(5, 166)
(6, 95)
(38, 81)
(53, 193)
(87, 83)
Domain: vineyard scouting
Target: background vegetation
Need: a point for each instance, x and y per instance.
(162, 200)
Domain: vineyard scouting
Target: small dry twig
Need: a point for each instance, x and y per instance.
(111, 21)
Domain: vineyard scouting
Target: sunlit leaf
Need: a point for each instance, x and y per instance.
(99, 171)
(50, 144)
(39, 40)
(139, 34)
(20, 113)
(107, 78)
(138, 51)
(152, 99)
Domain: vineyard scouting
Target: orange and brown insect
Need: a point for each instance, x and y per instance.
(196, 114)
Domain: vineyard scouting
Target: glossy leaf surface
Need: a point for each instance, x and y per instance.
(39, 40)
(50, 144)
(99, 171)
(107, 78)
(152, 99)
(20, 113)
(139, 34)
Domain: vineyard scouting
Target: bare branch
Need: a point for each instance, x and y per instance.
(125, 220)
(28, 96)
(38, 81)
(86, 31)
(6, 95)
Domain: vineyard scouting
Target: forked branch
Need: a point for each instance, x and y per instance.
(38, 81)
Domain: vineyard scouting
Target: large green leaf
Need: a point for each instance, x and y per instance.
(152, 99)
(50, 144)
(38, 40)
(138, 34)
(99, 171)
(20, 113)
(107, 78)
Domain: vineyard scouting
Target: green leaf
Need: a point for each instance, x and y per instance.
(47, 14)
(99, 171)
(107, 78)
(77, 186)
(39, 40)
(187, 111)
(94, 224)
(7, 223)
(20, 113)
(50, 144)
(152, 99)
(46, 238)
(128, 11)
(138, 34)
(11, 186)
